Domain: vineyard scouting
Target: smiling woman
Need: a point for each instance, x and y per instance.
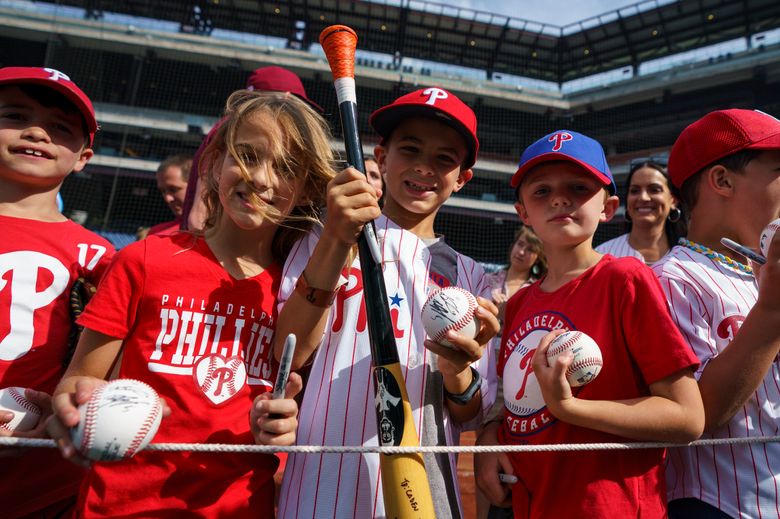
(654, 218)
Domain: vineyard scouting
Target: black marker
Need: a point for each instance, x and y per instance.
(285, 363)
(741, 249)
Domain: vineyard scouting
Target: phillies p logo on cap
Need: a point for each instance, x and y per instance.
(568, 146)
(435, 103)
(559, 138)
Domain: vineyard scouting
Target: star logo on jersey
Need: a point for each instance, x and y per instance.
(396, 300)
(219, 378)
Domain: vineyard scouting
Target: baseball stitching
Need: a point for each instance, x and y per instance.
(140, 435)
(20, 399)
(234, 364)
(583, 363)
(463, 321)
(206, 387)
(560, 348)
(90, 420)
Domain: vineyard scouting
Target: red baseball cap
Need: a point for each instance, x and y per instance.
(278, 79)
(434, 103)
(717, 135)
(58, 81)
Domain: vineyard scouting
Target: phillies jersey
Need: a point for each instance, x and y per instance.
(709, 301)
(202, 340)
(339, 404)
(620, 248)
(39, 262)
(619, 304)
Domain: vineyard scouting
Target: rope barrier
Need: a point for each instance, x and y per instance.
(338, 449)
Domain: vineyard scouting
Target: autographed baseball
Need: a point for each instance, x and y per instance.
(766, 236)
(587, 356)
(450, 308)
(120, 419)
(26, 414)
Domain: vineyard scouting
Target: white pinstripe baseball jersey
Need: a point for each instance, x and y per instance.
(709, 301)
(338, 404)
(620, 248)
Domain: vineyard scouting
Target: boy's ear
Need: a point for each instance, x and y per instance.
(719, 179)
(611, 205)
(522, 213)
(380, 154)
(464, 176)
(84, 157)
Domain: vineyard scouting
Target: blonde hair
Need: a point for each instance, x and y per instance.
(300, 152)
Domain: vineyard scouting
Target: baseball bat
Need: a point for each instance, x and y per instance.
(404, 481)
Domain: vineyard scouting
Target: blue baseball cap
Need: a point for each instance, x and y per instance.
(570, 146)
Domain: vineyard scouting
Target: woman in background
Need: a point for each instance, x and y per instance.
(654, 220)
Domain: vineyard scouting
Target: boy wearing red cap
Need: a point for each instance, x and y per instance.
(645, 389)
(47, 125)
(428, 148)
(727, 165)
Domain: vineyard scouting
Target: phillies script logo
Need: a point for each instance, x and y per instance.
(353, 288)
(526, 412)
(729, 326)
(558, 139)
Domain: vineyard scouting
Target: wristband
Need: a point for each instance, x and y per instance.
(315, 296)
(465, 397)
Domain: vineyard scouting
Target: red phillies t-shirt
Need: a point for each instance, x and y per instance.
(618, 303)
(202, 340)
(39, 261)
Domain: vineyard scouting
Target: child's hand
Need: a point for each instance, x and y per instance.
(556, 390)
(66, 415)
(274, 422)
(352, 202)
(768, 276)
(488, 465)
(453, 361)
(43, 401)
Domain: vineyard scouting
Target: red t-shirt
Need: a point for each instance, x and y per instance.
(619, 303)
(39, 261)
(202, 340)
(165, 228)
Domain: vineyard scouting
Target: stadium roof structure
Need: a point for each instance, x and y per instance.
(494, 43)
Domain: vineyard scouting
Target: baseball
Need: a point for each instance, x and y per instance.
(587, 356)
(120, 419)
(766, 236)
(450, 308)
(26, 414)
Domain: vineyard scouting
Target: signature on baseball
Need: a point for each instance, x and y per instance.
(125, 401)
(444, 308)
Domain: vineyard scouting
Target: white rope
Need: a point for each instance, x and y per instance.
(318, 449)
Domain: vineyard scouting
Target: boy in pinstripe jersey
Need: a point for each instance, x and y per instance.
(428, 147)
(728, 166)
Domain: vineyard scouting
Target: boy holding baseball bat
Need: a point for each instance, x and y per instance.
(727, 165)
(645, 390)
(428, 147)
(47, 125)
